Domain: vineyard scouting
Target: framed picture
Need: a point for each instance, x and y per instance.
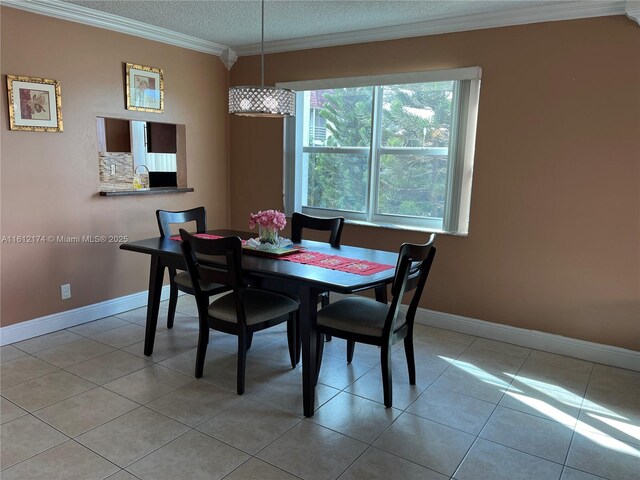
(34, 104)
(145, 88)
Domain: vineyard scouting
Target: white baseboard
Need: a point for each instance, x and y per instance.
(594, 352)
(548, 342)
(77, 316)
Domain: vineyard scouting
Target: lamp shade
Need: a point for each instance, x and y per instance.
(262, 101)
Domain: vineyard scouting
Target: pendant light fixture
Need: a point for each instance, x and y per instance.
(254, 101)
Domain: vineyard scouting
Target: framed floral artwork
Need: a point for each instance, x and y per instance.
(145, 88)
(34, 104)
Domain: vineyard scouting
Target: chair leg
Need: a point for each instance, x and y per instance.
(201, 352)
(298, 336)
(249, 339)
(293, 336)
(319, 352)
(351, 345)
(325, 303)
(173, 301)
(411, 362)
(387, 385)
(242, 361)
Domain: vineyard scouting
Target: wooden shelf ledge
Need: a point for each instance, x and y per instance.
(151, 191)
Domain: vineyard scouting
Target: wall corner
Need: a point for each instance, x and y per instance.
(228, 57)
(632, 10)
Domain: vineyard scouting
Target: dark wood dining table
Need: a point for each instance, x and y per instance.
(305, 281)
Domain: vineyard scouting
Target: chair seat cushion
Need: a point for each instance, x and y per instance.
(358, 315)
(183, 281)
(259, 306)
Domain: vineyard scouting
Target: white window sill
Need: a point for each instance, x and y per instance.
(411, 228)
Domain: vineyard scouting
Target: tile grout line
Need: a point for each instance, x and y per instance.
(68, 438)
(475, 441)
(573, 433)
(43, 451)
(255, 455)
(405, 410)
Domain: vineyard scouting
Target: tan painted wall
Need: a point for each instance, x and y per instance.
(554, 241)
(49, 181)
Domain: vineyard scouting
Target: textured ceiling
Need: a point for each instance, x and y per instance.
(237, 22)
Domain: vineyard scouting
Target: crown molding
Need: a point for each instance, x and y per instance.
(228, 56)
(523, 16)
(94, 18)
(632, 9)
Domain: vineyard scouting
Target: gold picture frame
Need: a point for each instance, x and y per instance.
(35, 104)
(145, 88)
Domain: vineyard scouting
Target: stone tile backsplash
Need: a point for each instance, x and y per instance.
(122, 179)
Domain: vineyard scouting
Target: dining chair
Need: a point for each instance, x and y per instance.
(241, 312)
(300, 221)
(361, 319)
(182, 281)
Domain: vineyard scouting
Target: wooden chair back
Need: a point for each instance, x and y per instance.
(213, 260)
(166, 218)
(412, 270)
(300, 221)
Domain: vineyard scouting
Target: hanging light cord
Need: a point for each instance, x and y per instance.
(262, 46)
(261, 101)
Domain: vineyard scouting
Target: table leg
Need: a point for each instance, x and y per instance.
(308, 314)
(156, 275)
(381, 293)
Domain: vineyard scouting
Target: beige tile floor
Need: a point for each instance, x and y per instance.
(84, 403)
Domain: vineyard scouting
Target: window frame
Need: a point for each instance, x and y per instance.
(461, 151)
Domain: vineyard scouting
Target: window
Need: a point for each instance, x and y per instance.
(388, 150)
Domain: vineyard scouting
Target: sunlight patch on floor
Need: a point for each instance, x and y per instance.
(584, 429)
(564, 396)
(477, 372)
(559, 394)
(626, 428)
(595, 408)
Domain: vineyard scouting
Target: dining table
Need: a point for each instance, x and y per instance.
(262, 270)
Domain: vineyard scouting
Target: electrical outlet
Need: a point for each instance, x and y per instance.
(113, 169)
(65, 291)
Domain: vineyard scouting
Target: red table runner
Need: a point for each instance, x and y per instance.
(334, 262)
(323, 260)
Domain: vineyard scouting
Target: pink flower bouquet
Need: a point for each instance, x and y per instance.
(268, 219)
(269, 222)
